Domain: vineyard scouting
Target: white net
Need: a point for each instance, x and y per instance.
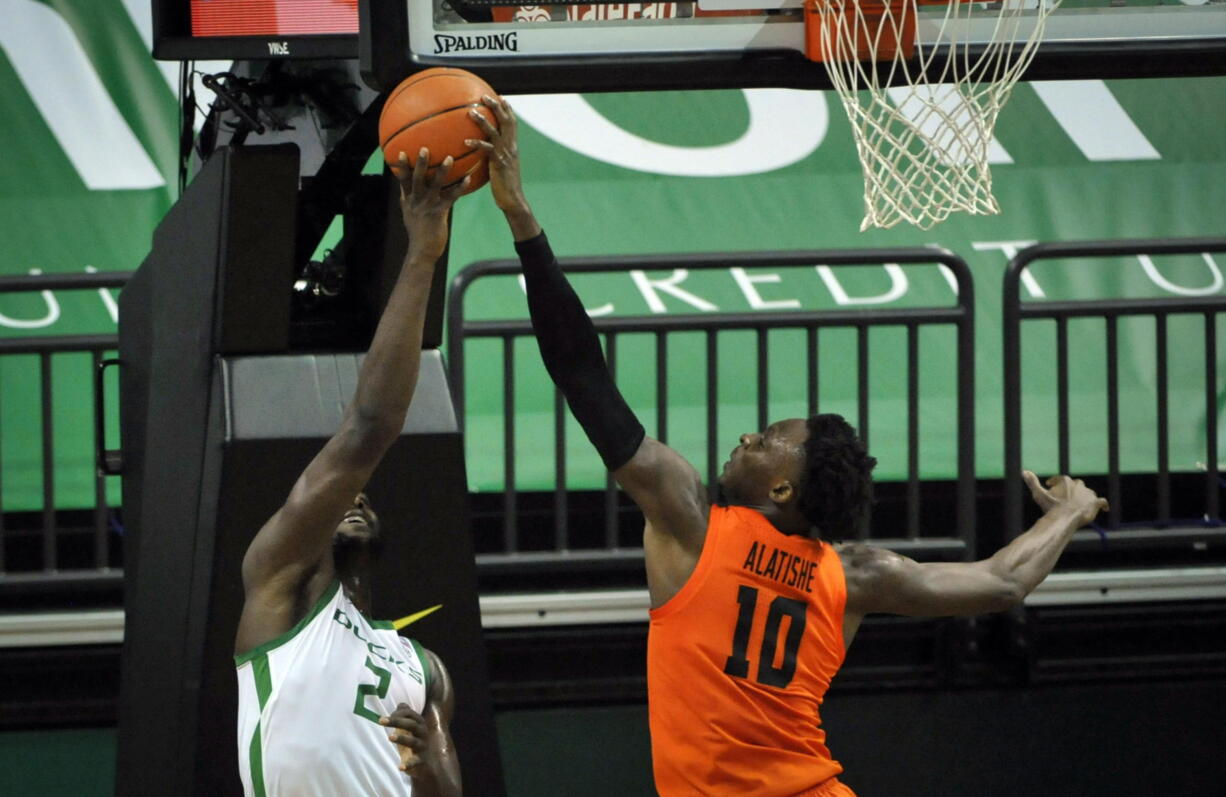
(923, 125)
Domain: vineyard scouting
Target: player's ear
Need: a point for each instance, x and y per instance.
(783, 492)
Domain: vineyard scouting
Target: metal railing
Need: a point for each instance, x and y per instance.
(43, 567)
(1161, 527)
(85, 560)
(960, 316)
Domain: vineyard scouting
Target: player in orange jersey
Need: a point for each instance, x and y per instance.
(752, 608)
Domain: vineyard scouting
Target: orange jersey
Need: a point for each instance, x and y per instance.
(739, 660)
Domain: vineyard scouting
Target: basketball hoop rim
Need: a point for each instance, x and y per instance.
(875, 40)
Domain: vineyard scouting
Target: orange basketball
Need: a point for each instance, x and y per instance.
(430, 109)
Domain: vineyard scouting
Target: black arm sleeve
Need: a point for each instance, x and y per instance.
(571, 351)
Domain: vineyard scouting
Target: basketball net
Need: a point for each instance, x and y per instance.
(923, 116)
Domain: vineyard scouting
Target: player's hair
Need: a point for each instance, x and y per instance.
(838, 484)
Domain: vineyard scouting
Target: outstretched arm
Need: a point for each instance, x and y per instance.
(294, 546)
(883, 581)
(666, 487)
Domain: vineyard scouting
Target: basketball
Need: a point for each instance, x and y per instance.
(430, 109)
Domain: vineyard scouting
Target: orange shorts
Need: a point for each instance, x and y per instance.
(828, 788)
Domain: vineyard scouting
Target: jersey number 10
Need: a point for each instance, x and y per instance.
(768, 674)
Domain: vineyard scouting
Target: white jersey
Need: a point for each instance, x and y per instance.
(309, 704)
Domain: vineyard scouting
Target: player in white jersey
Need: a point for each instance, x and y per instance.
(331, 702)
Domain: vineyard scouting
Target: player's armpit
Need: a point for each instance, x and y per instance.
(289, 562)
(669, 491)
(881, 581)
(297, 539)
(675, 506)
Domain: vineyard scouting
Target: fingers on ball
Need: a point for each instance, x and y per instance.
(432, 108)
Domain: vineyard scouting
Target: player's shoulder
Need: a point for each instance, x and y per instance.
(867, 563)
(427, 657)
(858, 553)
(870, 574)
(438, 684)
(433, 661)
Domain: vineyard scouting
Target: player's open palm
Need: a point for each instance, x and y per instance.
(1064, 491)
(502, 150)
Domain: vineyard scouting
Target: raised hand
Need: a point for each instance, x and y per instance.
(502, 150)
(1064, 492)
(425, 201)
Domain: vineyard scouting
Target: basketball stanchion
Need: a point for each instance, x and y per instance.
(922, 93)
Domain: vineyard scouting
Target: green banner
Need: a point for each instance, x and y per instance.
(88, 129)
(1076, 160)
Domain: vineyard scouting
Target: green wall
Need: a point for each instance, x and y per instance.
(79, 762)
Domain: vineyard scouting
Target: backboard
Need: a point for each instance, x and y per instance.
(604, 46)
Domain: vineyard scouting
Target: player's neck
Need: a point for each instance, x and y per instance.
(355, 580)
(359, 596)
(787, 522)
(792, 525)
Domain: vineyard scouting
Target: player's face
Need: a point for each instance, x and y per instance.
(360, 523)
(763, 459)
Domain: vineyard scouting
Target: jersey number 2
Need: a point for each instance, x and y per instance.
(366, 690)
(768, 674)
